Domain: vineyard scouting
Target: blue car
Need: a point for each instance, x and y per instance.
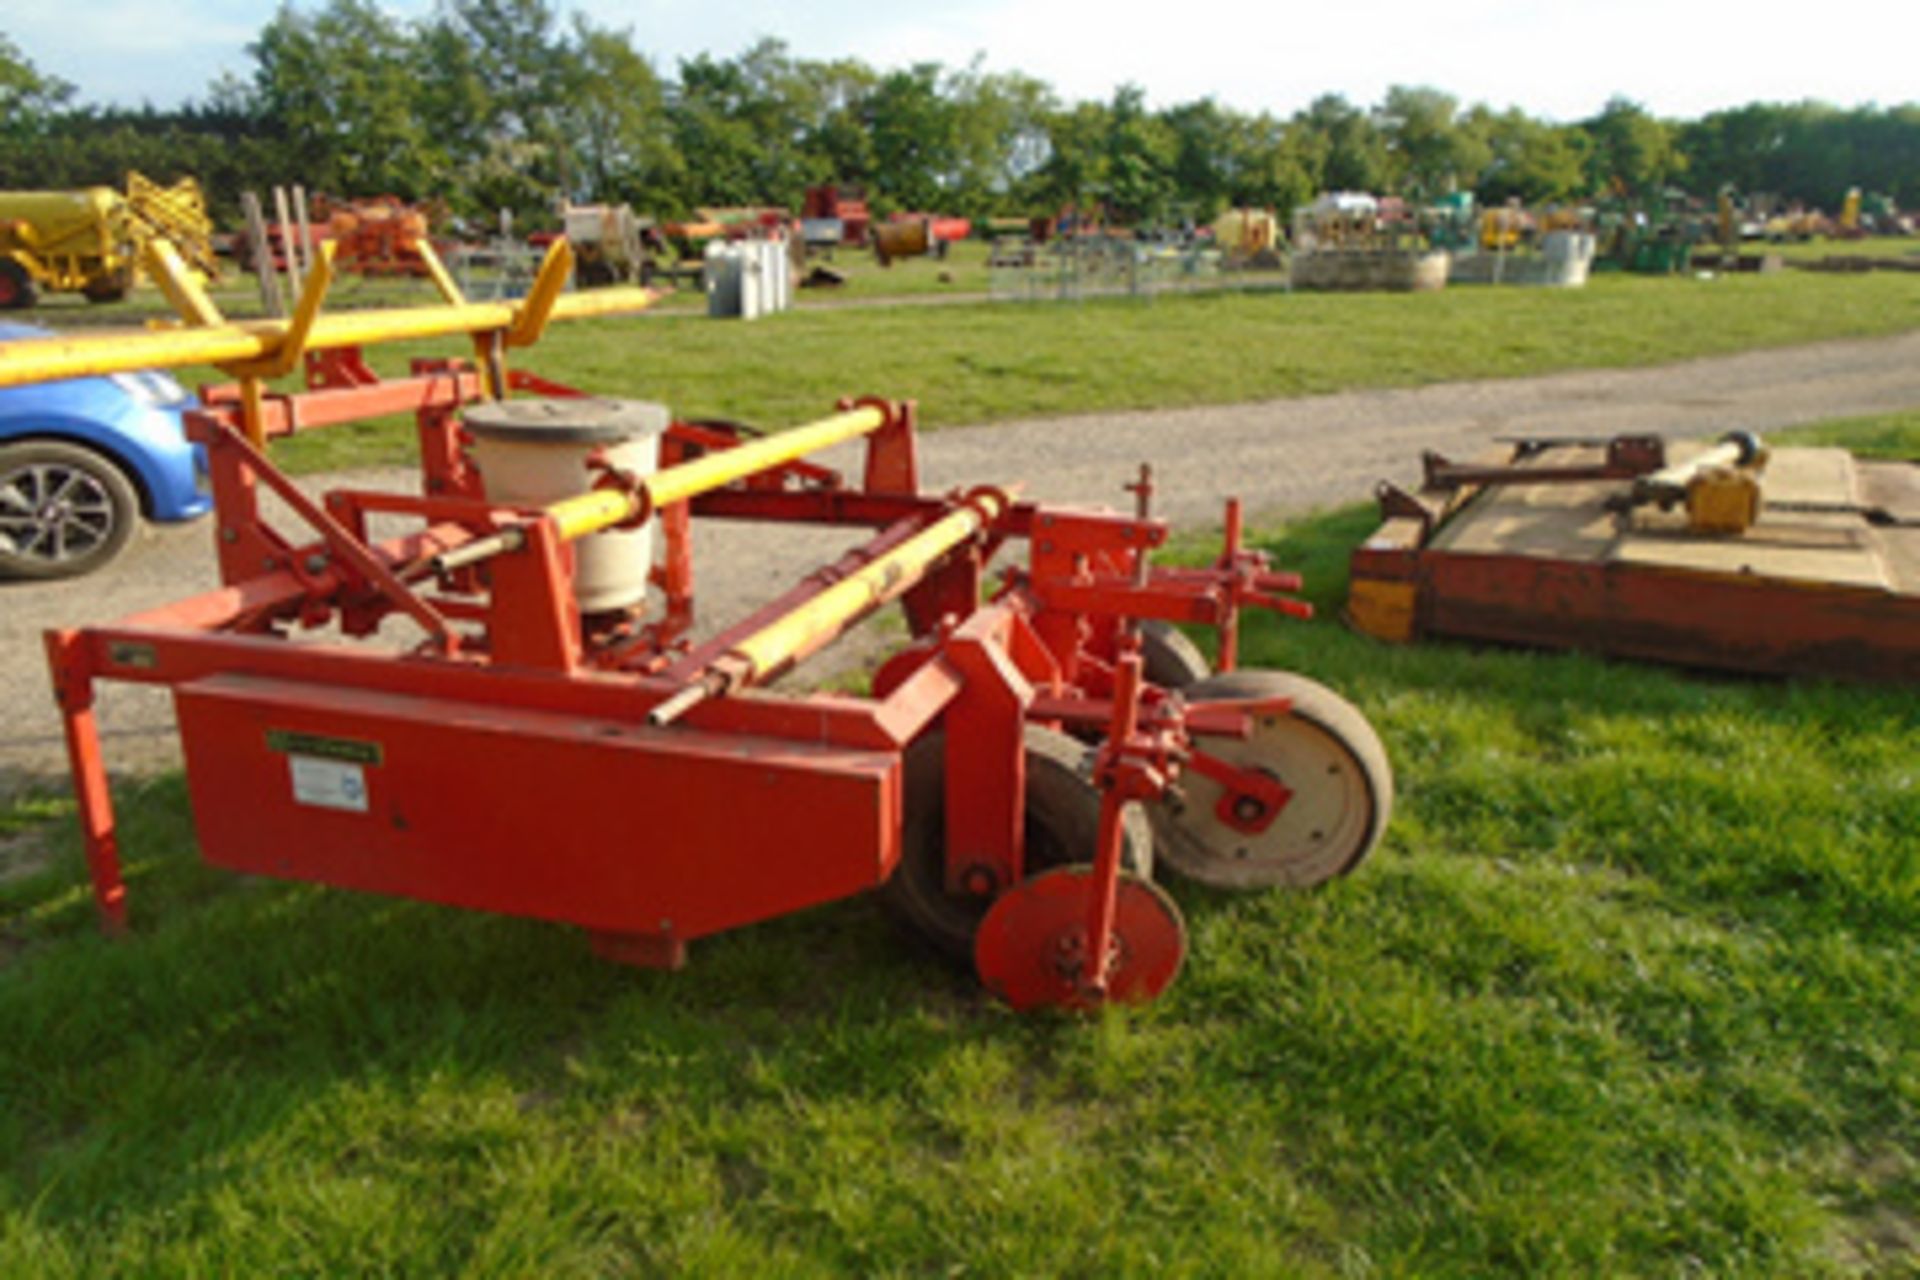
(82, 461)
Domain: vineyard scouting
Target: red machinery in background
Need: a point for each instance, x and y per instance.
(1005, 785)
(380, 235)
(374, 235)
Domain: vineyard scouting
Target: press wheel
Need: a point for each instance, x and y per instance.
(1031, 950)
(1062, 826)
(1323, 751)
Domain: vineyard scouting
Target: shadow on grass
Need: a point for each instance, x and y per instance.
(237, 1004)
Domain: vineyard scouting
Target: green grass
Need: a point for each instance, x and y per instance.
(990, 362)
(1870, 247)
(1880, 435)
(1629, 990)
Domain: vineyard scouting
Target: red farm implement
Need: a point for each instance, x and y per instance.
(555, 739)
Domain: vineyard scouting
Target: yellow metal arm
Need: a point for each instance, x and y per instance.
(30, 360)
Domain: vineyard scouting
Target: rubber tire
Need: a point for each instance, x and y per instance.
(103, 293)
(1169, 658)
(1063, 824)
(122, 499)
(1336, 724)
(17, 290)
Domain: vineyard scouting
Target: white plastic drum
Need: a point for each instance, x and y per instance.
(534, 452)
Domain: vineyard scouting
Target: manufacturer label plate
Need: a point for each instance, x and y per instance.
(328, 784)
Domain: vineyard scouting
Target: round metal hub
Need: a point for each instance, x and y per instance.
(1031, 950)
(53, 513)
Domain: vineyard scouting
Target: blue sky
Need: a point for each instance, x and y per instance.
(1551, 57)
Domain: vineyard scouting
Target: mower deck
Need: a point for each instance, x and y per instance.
(1826, 581)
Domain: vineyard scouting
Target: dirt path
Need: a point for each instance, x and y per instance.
(1282, 456)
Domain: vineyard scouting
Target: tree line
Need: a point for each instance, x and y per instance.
(492, 104)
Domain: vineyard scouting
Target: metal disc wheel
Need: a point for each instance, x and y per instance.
(1062, 826)
(1032, 949)
(64, 510)
(1323, 751)
(1168, 658)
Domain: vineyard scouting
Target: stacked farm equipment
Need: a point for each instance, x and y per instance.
(91, 241)
(379, 235)
(560, 743)
(1352, 242)
(374, 236)
(832, 215)
(613, 245)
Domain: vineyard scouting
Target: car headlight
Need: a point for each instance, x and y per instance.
(152, 388)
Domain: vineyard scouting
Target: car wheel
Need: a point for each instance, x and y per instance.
(64, 510)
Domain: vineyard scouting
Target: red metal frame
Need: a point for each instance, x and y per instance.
(505, 761)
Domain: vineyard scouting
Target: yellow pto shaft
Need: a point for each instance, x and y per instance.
(603, 508)
(599, 509)
(816, 623)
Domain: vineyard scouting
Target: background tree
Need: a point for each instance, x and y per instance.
(1075, 172)
(512, 68)
(339, 86)
(1529, 160)
(1435, 150)
(490, 104)
(617, 114)
(1140, 152)
(1352, 154)
(1632, 153)
(915, 139)
(1209, 157)
(29, 97)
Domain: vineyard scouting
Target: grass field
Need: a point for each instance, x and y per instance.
(986, 362)
(1870, 247)
(1628, 991)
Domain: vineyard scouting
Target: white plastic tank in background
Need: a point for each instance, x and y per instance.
(753, 280)
(780, 272)
(1570, 255)
(722, 280)
(748, 278)
(534, 452)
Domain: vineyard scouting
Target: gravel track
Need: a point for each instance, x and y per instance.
(1282, 457)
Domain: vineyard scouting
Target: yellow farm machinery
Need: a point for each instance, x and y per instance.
(91, 241)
